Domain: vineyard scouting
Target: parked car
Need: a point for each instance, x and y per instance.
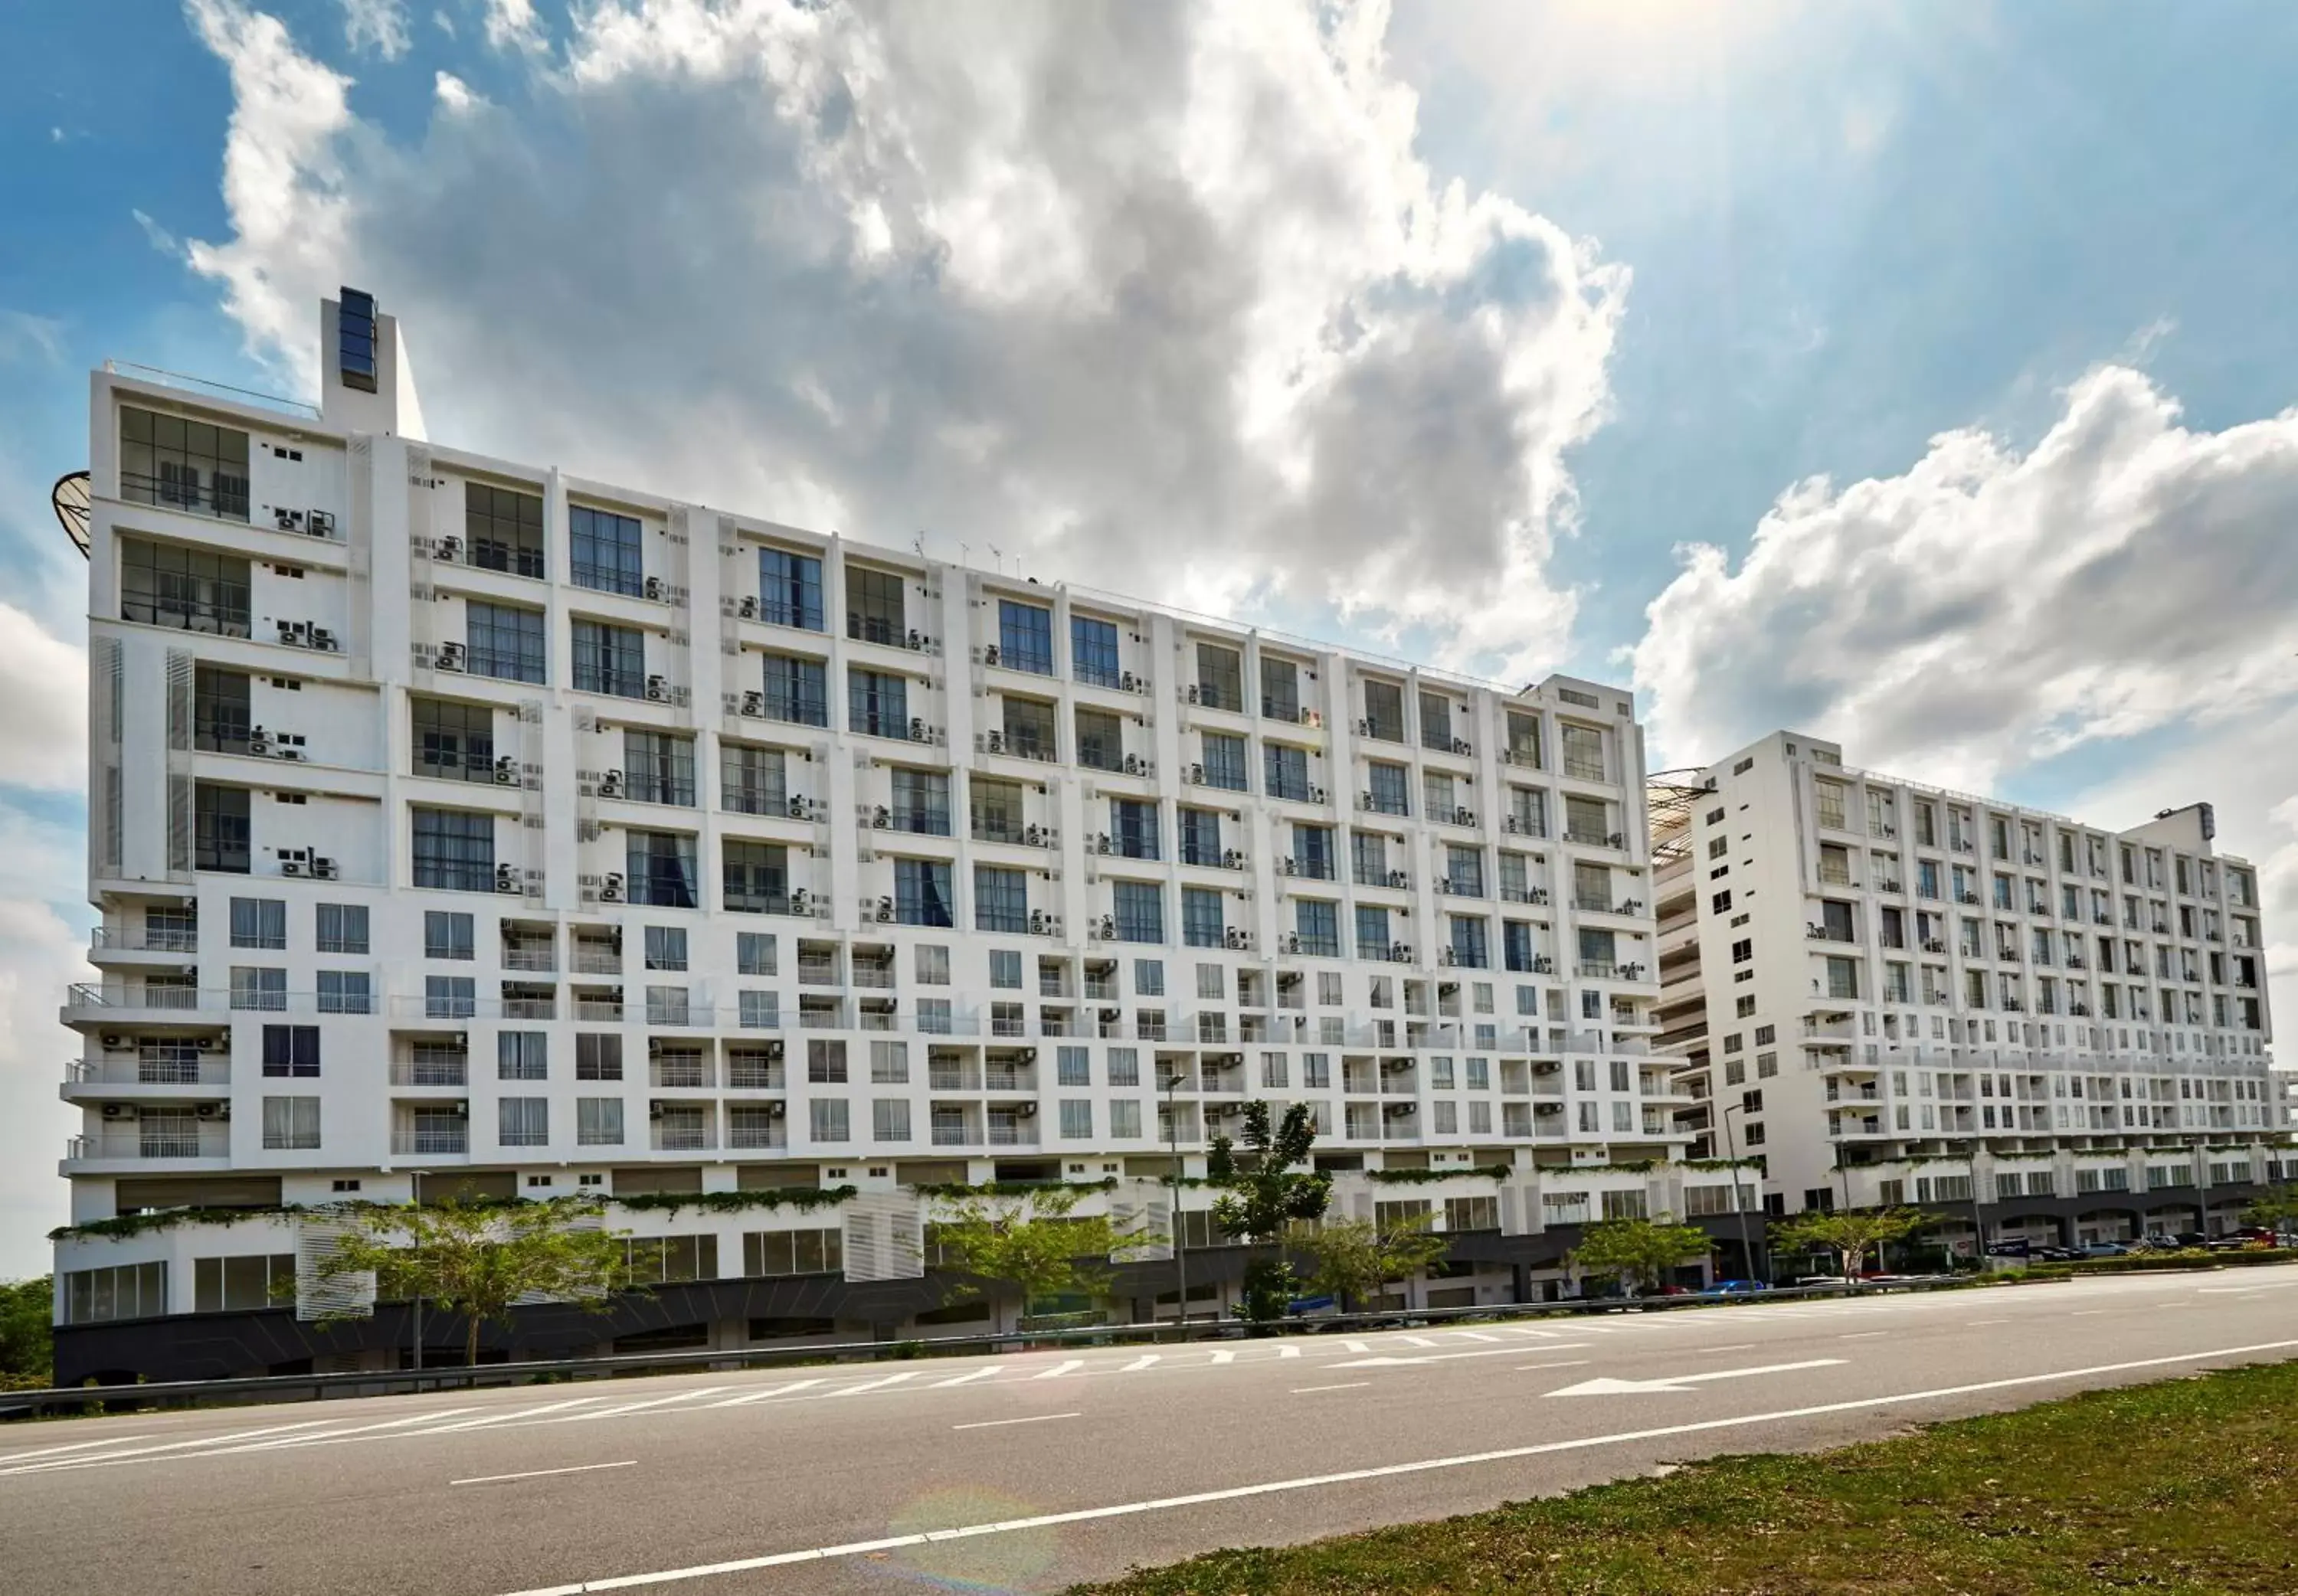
(2057, 1254)
(2155, 1240)
(1735, 1288)
(2102, 1248)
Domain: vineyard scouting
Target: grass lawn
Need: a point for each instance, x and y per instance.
(2189, 1486)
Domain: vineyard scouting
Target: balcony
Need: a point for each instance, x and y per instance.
(153, 1144)
(539, 957)
(88, 1003)
(677, 1136)
(430, 1073)
(106, 939)
(1396, 880)
(436, 1143)
(205, 1070)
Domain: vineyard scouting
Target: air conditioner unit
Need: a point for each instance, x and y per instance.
(885, 911)
(118, 1110)
(506, 772)
(1233, 860)
(323, 639)
(753, 704)
(288, 520)
(290, 866)
(1035, 836)
(1236, 936)
(611, 890)
(994, 742)
(1025, 1111)
(773, 1050)
(1108, 925)
(1399, 952)
(112, 1038)
(208, 1111)
(801, 807)
(449, 548)
(747, 607)
(506, 879)
(450, 658)
(658, 690)
(610, 784)
(1312, 717)
(209, 1044)
(1316, 795)
(323, 524)
(323, 868)
(291, 633)
(1128, 682)
(1134, 765)
(1463, 817)
(652, 588)
(1197, 774)
(1292, 942)
(1027, 1055)
(990, 654)
(1196, 694)
(800, 901)
(1041, 924)
(1397, 878)
(1460, 746)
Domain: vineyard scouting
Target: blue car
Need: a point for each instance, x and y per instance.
(1735, 1288)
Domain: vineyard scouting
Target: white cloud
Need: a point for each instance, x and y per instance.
(1162, 297)
(455, 96)
(512, 25)
(376, 25)
(156, 235)
(1988, 608)
(43, 706)
(31, 339)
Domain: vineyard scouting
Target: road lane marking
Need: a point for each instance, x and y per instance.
(1140, 1363)
(1495, 1351)
(2088, 1312)
(748, 1397)
(653, 1401)
(879, 1384)
(536, 1473)
(60, 1464)
(1224, 1355)
(1975, 1323)
(1612, 1388)
(1416, 1341)
(1356, 1347)
(50, 1452)
(1737, 1347)
(991, 1424)
(1345, 1385)
(968, 1379)
(1474, 1335)
(1863, 1336)
(1559, 1363)
(2261, 1286)
(1288, 1352)
(473, 1424)
(1067, 1366)
(1128, 1510)
(285, 1442)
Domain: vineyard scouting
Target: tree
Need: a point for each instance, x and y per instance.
(1849, 1234)
(1266, 1197)
(2276, 1210)
(1639, 1251)
(1036, 1243)
(477, 1259)
(27, 1341)
(1352, 1258)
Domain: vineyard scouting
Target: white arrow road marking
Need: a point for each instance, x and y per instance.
(967, 1379)
(748, 1397)
(1067, 1366)
(878, 1384)
(1495, 1351)
(1610, 1387)
(1140, 1363)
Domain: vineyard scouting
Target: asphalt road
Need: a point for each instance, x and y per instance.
(1027, 1473)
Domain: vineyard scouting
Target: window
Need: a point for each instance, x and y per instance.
(220, 830)
(454, 850)
(598, 1056)
(1388, 790)
(889, 1063)
(757, 877)
(453, 742)
(874, 607)
(1584, 752)
(1092, 651)
(1843, 977)
(751, 779)
(1028, 729)
(1125, 1120)
(827, 1119)
(789, 589)
(505, 642)
(117, 1291)
(345, 992)
(1372, 932)
(1436, 801)
(797, 691)
(1285, 771)
(606, 550)
(522, 1055)
(163, 585)
(1317, 924)
(242, 1283)
(1200, 836)
(184, 463)
(666, 947)
(1280, 689)
(1517, 946)
(825, 1061)
(290, 1050)
(1025, 638)
(1435, 722)
(1468, 947)
(1000, 899)
(448, 935)
(889, 1120)
(770, 1254)
(355, 331)
(1149, 978)
(1140, 911)
(503, 530)
(598, 1122)
(220, 715)
(291, 1123)
(1384, 704)
(259, 923)
(922, 895)
(1313, 852)
(1100, 739)
(1202, 919)
(523, 1122)
(1463, 871)
(449, 998)
(1133, 829)
(1224, 761)
(1220, 678)
(659, 868)
(877, 704)
(1076, 1119)
(610, 659)
(658, 768)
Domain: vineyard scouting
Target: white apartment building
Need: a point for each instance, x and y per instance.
(1892, 993)
(458, 824)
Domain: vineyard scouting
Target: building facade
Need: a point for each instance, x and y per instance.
(1892, 993)
(457, 825)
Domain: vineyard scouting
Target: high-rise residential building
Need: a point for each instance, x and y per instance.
(1892, 993)
(460, 824)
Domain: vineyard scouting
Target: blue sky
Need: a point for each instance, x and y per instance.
(1845, 229)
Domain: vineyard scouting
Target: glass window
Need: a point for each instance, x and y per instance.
(1317, 924)
(503, 530)
(454, 849)
(221, 721)
(920, 802)
(1140, 911)
(798, 690)
(1202, 919)
(874, 611)
(523, 1122)
(1372, 932)
(1389, 788)
(1133, 829)
(610, 659)
(996, 807)
(1469, 942)
(182, 463)
(1149, 978)
(757, 877)
(504, 642)
(921, 892)
(1584, 752)
(116, 1291)
(1000, 899)
(827, 1119)
(1005, 968)
(666, 947)
(259, 923)
(291, 1123)
(889, 1120)
(657, 767)
(290, 1050)
(345, 992)
(1125, 1120)
(1224, 761)
(454, 742)
(1463, 871)
(1092, 651)
(1025, 637)
(606, 550)
(598, 1056)
(219, 827)
(449, 997)
(241, 1282)
(660, 869)
(448, 935)
(1200, 836)
(258, 987)
(877, 704)
(1076, 1119)
(1285, 771)
(162, 584)
(1100, 739)
(1383, 711)
(1030, 728)
(598, 1122)
(789, 589)
(522, 1055)
(751, 779)
(1280, 689)
(1220, 677)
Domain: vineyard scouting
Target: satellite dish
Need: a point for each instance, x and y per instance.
(69, 500)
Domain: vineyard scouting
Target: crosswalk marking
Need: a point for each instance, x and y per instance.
(877, 1384)
(658, 1401)
(1474, 1335)
(285, 1442)
(1224, 1355)
(1067, 1366)
(968, 1379)
(1355, 1346)
(1288, 1350)
(473, 1424)
(748, 1397)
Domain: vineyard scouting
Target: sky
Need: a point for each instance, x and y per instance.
(1917, 377)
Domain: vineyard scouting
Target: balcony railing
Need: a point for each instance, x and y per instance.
(431, 1144)
(149, 940)
(543, 958)
(682, 1138)
(429, 1072)
(154, 1142)
(207, 1070)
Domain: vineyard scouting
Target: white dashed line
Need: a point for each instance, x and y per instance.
(536, 1473)
(991, 1424)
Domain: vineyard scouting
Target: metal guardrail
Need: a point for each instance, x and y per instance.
(316, 1387)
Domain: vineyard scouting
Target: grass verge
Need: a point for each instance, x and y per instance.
(2184, 1487)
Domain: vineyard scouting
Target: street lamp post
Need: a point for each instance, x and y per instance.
(1180, 1261)
(1731, 1152)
